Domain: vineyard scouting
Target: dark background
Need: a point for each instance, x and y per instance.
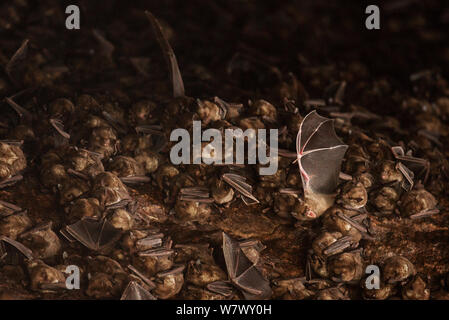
(291, 36)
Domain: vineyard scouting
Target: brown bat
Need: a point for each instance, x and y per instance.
(243, 273)
(320, 153)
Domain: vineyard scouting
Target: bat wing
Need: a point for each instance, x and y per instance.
(82, 232)
(221, 287)
(323, 168)
(175, 74)
(320, 153)
(16, 59)
(135, 291)
(94, 234)
(17, 245)
(107, 235)
(242, 272)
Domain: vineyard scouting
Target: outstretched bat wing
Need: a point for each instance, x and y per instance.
(320, 153)
(94, 234)
(323, 167)
(243, 273)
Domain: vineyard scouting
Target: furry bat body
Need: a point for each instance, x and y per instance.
(320, 153)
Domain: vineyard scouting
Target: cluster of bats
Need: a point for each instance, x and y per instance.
(319, 156)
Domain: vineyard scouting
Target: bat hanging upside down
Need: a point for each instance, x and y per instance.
(320, 153)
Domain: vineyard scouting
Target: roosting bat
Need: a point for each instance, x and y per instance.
(243, 273)
(320, 153)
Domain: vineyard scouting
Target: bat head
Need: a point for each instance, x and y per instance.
(304, 211)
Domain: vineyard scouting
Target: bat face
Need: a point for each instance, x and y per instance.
(320, 153)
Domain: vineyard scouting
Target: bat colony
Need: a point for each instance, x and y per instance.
(212, 153)
(319, 154)
(319, 150)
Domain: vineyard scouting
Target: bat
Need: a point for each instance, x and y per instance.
(59, 126)
(319, 153)
(243, 273)
(175, 74)
(406, 184)
(239, 183)
(94, 234)
(412, 163)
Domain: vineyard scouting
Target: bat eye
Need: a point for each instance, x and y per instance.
(311, 214)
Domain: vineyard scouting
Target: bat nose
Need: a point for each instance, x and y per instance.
(311, 214)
